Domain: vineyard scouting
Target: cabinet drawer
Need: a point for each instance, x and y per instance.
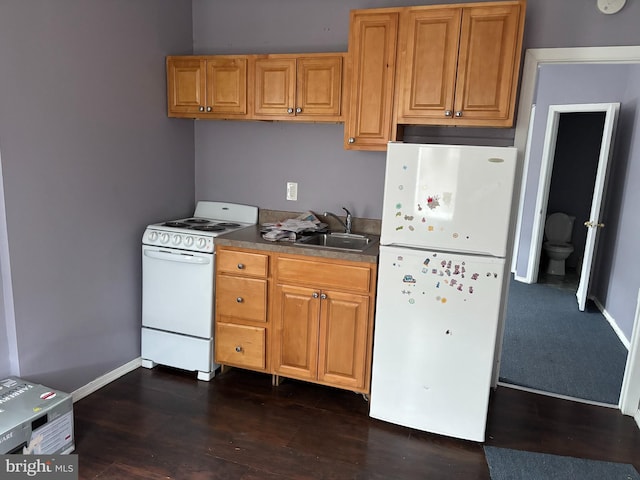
(318, 274)
(241, 297)
(240, 345)
(245, 263)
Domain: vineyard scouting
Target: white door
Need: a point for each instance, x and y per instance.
(448, 197)
(594, 223)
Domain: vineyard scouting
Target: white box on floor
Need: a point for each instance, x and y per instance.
(34, 419)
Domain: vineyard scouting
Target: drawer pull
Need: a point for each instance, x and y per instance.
(238, 349)
(241, 266)
(239, 299)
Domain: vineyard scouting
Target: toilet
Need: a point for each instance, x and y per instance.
(558, 229)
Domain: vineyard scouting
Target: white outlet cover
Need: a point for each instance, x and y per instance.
(611, 6)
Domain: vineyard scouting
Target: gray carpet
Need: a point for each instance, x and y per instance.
(550, 345)
(507, 464)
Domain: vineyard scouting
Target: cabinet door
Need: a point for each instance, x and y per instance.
(186, 86)
(427, 64)
(372, 51)
(319, 86)
(226, 86)
(488, 64)
(296, 316)
(275, 83)
(343, 339)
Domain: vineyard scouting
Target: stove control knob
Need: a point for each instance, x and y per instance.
(164, 238)
(202, 242)
(153, 236)
(177, 239)
(188, 241)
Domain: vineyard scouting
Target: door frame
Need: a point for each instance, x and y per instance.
(546, 171)
(533, 59)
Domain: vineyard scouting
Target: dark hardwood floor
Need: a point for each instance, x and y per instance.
(162, 423)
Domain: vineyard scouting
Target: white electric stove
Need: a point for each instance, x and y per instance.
(178, 286)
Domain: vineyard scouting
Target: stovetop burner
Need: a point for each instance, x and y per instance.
(176, 224)
(196, 220)
(208, 228)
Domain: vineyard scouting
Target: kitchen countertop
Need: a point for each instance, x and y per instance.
(251, 237)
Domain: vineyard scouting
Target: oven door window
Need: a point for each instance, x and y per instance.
(177, 291)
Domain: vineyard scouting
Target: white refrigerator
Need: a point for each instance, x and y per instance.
(441, 281)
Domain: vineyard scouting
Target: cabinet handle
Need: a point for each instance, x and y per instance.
(351, 140)
(447, 113)
(289, 111)
(201, 109)
(238, 349)
(315, 295)
(209, 109)
(241, 266)
(459, 113)
(298, 110)
(323, 296)
(239, 300)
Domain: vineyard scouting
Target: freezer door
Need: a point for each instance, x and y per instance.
(435, 333)
(446, 197)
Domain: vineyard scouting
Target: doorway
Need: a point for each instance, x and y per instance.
(575, 165)
(577, 147)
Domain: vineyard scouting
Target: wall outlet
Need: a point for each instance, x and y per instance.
(292, 191)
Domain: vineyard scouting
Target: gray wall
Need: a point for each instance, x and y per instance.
(566, 84)
(312, 154)
(617, 286)
(4, 345)
(227, 153)
(89, 158)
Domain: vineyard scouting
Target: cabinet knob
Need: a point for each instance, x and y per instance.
(323, 296)
(201, 109)
(241, 266)
(459, 113)
(239, 300)
(298, 110)
(238, 349)
(289, 111)
(351, 140)
(448, 113)
(315, 295)
(209, 109)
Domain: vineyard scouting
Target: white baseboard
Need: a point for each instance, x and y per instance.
(625, 341)
(105, 379)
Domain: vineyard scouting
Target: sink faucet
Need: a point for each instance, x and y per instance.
(347, 225)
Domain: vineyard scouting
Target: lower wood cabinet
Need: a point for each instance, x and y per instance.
(241, 323)
(321, 335)
(316, 325)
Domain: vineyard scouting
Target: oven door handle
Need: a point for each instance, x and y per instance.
(176, 257)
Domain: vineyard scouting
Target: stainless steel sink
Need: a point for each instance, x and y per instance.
(340, 241)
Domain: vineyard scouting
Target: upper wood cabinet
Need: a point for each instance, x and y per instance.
(207, 87)
(373, 37)
(294, 87)
(459, 65)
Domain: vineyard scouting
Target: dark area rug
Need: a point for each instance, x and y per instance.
(550, 345)
(507, 464)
